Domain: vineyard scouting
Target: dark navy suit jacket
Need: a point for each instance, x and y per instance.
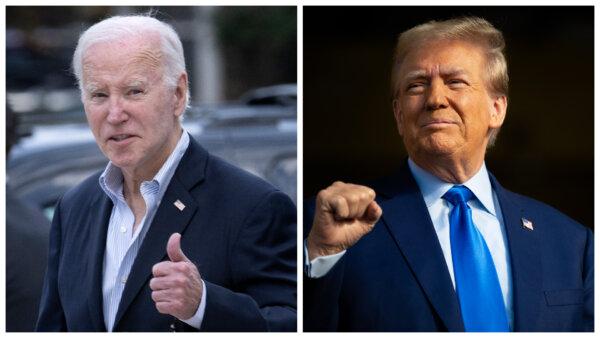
(396, 279)
(238, 230)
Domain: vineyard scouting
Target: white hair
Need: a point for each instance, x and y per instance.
(119, 27)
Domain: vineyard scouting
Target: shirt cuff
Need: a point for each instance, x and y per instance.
(196, 320)
(321, 265)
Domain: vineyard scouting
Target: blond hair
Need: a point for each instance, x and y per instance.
(474, 30)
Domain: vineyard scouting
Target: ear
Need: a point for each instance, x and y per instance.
(398, 115)
(181, 94)
(498, 111)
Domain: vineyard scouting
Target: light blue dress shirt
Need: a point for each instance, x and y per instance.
(487, 217)
(122, 244)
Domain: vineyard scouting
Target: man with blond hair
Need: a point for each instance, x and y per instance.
(167, 237)
(441, 245)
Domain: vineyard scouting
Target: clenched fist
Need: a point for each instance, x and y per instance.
(176, 286)
(344, 213)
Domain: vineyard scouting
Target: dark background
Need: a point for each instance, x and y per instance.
(545, 149)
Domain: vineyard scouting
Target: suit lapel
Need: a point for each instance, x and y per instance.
(406, 216)
(168, 220)
(524, 247)
(99, 215)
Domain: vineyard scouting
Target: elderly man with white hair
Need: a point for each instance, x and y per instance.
(167, 237)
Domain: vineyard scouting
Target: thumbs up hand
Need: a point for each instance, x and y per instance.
(174, 249)
(176, 286)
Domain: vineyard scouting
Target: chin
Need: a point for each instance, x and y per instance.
(122, 160)
(439, 145)
(122, 163)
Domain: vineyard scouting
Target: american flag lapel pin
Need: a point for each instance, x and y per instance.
(179, 205)
(527, 223)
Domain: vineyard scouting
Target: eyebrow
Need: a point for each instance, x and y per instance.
(139, 82)
(416, 74)
(423, 74)
(453, 72)
(91, 87)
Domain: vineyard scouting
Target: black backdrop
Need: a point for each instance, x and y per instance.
(546, 147)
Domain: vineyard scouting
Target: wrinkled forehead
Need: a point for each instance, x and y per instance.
(123, 55)
(438, 54)
(440, 57)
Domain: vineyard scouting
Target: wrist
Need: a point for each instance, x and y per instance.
(316, 248)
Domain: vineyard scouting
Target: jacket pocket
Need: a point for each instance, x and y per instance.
(564, 297)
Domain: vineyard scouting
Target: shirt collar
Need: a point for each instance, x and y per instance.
(111, 180)
(434, 188)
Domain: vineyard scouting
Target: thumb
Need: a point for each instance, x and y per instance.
(373, 213)
(174, 249)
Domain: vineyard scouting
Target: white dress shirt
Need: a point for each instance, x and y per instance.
(487, 217)
(122, 244)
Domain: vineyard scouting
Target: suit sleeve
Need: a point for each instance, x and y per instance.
(321, 295)
(263, 263)
(588, 282)
(51, 316)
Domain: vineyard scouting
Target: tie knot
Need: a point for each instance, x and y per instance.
(457, 194)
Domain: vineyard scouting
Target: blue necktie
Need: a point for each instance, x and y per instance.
(477, 286)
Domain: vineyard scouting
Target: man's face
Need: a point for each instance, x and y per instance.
(443, 107)
(132, 113)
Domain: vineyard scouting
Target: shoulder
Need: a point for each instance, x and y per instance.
(546, 217)
(235, 181)
(233, 194)
(220, 177)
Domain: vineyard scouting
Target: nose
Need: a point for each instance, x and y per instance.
(436, 95)
(116, 112)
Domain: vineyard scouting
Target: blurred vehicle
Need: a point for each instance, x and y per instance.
(283, 95)
(259, 137)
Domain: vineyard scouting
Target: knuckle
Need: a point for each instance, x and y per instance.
(365, 193)
(324, 196)
(155, 269)
(353, 199)
(371, 193)
(180, 281)
(338, 199)
(186, 268)
(179, 293)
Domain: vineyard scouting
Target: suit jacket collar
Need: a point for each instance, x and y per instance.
(406, 217)
(169, 219)
(408, 221)
(526, 263)
(100, 209)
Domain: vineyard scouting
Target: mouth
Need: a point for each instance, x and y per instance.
(438, 123)
(120, 138)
